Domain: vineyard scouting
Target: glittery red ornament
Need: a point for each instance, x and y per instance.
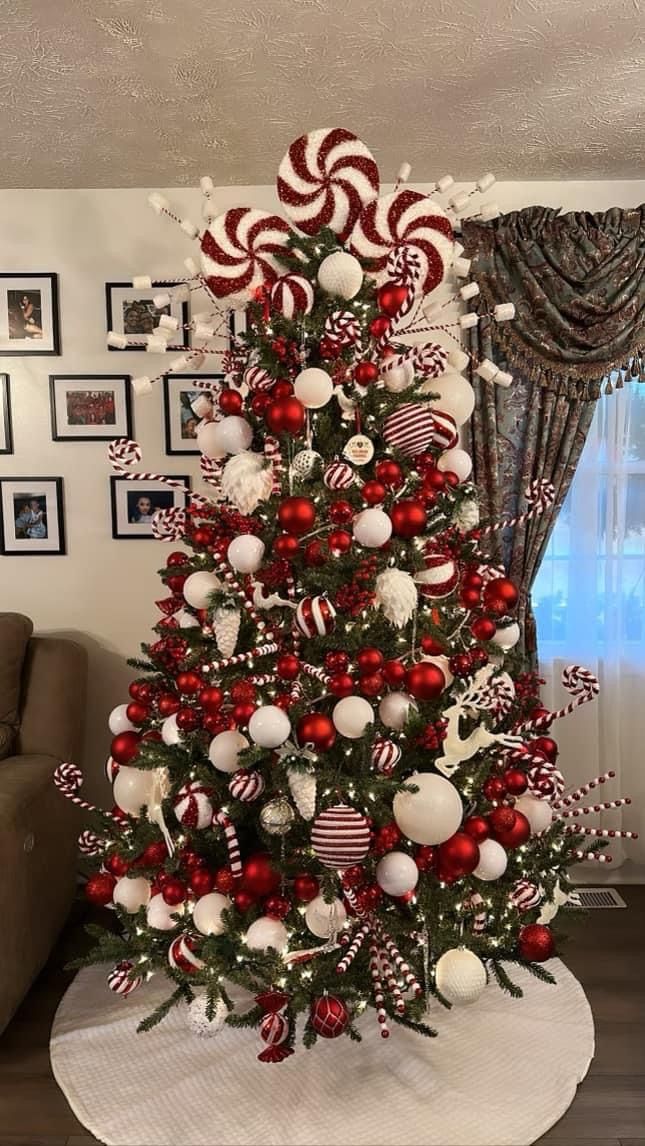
(500, 596)
(425, 856)
(243, 900)
(391, 297)
(278, 906)
(379, 326)
(99, 888)
(188, 719)
(371, 684)
(224, 880)
(297, 515)
(242, 713)
(373, 492)
(515, 780)
(518, 833)
(340, 512)
(189, 683)
(327, 348)
(432, 646)
(339, 541)
(425, 462)
(494, 788)
(459, 855)
(424, 681)
(116, 865)
(341, 684)
(259, 877)
(477, 828)
(353, 876)
(314, 554)
(285, 416)
(306, 887)
(501, 819)
(394, 672)
(329, 1016)
(336, 661)
(286, 546)
(460, 665)
(536, 943)
(315, 730)
(230, 401)
(211, 698)
(125, 747)
(483, 628)
(154, 854)
(408, 517)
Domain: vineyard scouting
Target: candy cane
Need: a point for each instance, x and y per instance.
(169, 524)
(579, 683)
(231, 843)
(273, 454)
(539, 494)
(480, 917)
(573, 797)
(318, 673)
(392, 985)
(211, 469)
(601, 833)
(68, 779)
(574, 812)
(263, 678)
(90, 844)
(399, 962)
(379, 996)
(123, 453)
(239, 658)
(352, 951)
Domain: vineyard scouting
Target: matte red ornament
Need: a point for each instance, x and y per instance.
(211, 698)
(379, 326)
(99, 888)
(154, 854)
(365, 373)
(224, 880)
(516, 782)
(260, 403)
(189, 683)
(278, 906)
(297, 515)
(203, 536)
(259, 877)
(373, 492)
(432, 646)
(369, 659)
(474, 580)
(470, 598)
(340, 512)
(282, 388)
(451, 478)
(288, 666)
(394, 673)
(494, 788)
(371, 684)
(306, 887)
(329, 1016)
(285, 416)
(339, 542)
(546, 745)
(230, 402)
(202, 881)
(315, 730)
(286, 546)
(137, 713)
(173, 892)
(391, 297)
(517, 834)
(177, 558)
(244, 900)
(134, 689)
(168, 704)
(125, 747)
(536, 943)
(242, 713)
(459, 855)
(424, 681)
(434, 480)
(408, 517)
(341, 684)
(336, 661)
(483, 628)
(116, 865)
(500, 595)
(477, 827)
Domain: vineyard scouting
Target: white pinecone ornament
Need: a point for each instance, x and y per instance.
(396, 594)
(303, 790)
(247, 480)
(226, 626)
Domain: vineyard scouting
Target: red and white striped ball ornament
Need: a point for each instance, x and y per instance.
(439, 578)
(342, 327)
(325, 178)
(119, 979)
(238, 251)
(315, 616)
(292, 295)
(545, 781)
(258, 379)
(182, 954)
(338, 475)
(405, 217)
(525, 895)
(340, 837)
(385, 756)
(412, 428)
(193, 807)
(247, 784)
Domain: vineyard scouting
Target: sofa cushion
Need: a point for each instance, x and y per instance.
(15, 631)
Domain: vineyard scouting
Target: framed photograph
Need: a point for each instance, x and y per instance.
(132, 311)
(134, 503)
(32, 522)
(184, 407)
(90, 407)
(6, 437)
(29, 322)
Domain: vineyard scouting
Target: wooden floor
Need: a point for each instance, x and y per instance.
(606, 952)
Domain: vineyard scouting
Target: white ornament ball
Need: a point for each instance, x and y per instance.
(232, 435)
(132, 789)
(313, 387)
(269, 726)
(304, 463)
(118, 720)
(456, 461)
(537, 812)
(507, 637)
(265, 932)
(492, 860)
(352, 715)
(397, 873)
(394, 709)
(398, 378)
(460, 976)
(431, 815)
(198, 1021)
(187, 620)
(340, 274)
(323, 919)
(198, 588)
(456, 396)
(170, 733)
(372, 528)
(225, 748)
(207, 913)
(131, 894)
(209, 443)
(159, 913)
(245, 553)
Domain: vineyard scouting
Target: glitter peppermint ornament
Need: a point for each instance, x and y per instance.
(120, 981)
(340, 837)
(193, 805)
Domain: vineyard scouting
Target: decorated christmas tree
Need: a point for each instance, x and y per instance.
(333, 783)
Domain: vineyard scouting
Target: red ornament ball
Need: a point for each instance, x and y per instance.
(306, 887)
(329, 1016)
(168, 704)
(315, 730)
(241, 713)
(116, 865)
(230, 402)
(389, 473)
(365, 373)
(286, 546)
(459, 855)
(516, 782)
(260, 403)
(546, 745)
(173, 892)
(297, 515)
(391, 297)
(188, 719)
(211, 699)
(285, 416)
(176, 582)
(99, 888)
(282, 388)
(315, 555)
(369, 659)
(379, 326)
(536, 943)
(432, 647)
(494, 788)
(425, 857)
(424, 681)
(224, 880)
(394, 673)
(341, 684)
(371, 684)
(189, 683)
(477, 828)
(353, 876)
(336, 661)
(259, 877)
(340, 512)
(470, 598)
(154, 854)
(483, 628)
(373, 492)
(501, 819)
(500, 596)
(339, 542)
(287, 666)
(137, 713)
(517, 834)
(408, 517)
(278, 906)
(434, 480)
(202, 881)
(177, 558)
(244, 900)
(125, 747)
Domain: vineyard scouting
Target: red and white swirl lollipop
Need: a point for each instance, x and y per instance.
(291, 295)
(405, 218)
(325, 179)
(238, 251)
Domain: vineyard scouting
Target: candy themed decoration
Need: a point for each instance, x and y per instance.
(275, 1027)
(182, 955)
(292, 295)
(385, 756)
(340, 836)
(343, 328)
(121, 981)
(258, 379)
(581, 684)
(405, 218)
(339, 475)
(193, 806)
(324, 180)
(315, 616)
(439, 578)
(412, 428)
(525, 895)
(238, 251)
(247, 785)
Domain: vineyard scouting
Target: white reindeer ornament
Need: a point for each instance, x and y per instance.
(481, 695)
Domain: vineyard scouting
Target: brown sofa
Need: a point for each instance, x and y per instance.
(42, 701)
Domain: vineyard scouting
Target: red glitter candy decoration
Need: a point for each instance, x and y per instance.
(238, 250)
(325, 179)
(405, 218)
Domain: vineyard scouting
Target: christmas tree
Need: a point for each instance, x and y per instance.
(333, 784)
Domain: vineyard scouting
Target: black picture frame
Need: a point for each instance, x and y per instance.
(6, 427)
(6, 349)
(139, 489)
(122, 429)
(170, 437)
(29, 548)
(134, 347)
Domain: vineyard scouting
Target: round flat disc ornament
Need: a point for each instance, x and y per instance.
(359, 450)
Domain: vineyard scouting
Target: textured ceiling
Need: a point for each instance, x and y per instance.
(113, 93)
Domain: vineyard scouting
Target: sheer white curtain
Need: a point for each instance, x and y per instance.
(589, 602)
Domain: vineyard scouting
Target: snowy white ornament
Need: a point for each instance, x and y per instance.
(537, 812)
(460, 976)
(313, 387)
(466, 517)
(247, 481)
(245, 553)
(433, 813)
(232, 435)
(397, 377)
(455, 396)
(456, 461)
(170, 733)
(209, 442)
(226, 626)
(304, 463)
(266, 932)
(198, 1021)
(372, 528)
(352, 715)
(118, 720)
(302, 786)
(159, 913)
(492, 861)
(325, 919)
(269, 726)
(397, 596)
(207, 913)
(397, 873)
(340, 274)
(198, 588)
(186, 620)
(131, 894)
(394, 709)
(507, 637)
(132, 789)
(225, 748)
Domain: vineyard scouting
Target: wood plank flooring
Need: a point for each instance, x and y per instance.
(606, 952)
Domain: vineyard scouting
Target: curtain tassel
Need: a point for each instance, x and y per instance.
(609, 389)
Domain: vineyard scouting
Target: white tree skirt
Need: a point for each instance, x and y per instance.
(500, 1073)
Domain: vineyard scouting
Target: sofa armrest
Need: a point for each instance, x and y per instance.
(54, 685)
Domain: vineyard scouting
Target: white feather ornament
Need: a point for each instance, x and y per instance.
(396, 593)
(247, 480)
(226, 626)
(467, 516)
(303, 790)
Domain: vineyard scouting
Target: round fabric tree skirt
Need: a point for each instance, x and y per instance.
(500, 1072)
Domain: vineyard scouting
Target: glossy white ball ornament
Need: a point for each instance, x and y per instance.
(232, 435)
(456, 396)
(198, 588)
(394, 709)
(209, 443)
(323, 919)
(207, 913)
(460, 976)
(537, 812)
(131, 894)
(397, 873)
(456, 461)
(340, 274)
(265, 932)
(170, 733)
(352, 715)
(492, 860)
(269, 726)
(313, 387)
(118, 720)
(372, 528)
(225, 748)
(159, 913)
(431, 815)
(245, 553)
(507, 637)
(132, 789)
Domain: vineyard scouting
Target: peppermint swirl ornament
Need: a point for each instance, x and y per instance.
(385, 756)
(291, 295)
(405, 219)
(193, 807)
(525, 895)
(238, 251)
(342, 327)
(545, 781)
(247, 784)
(338, 475)
(315, 616)
(325, 179)
(258, 379)
(119, 979)
(412, 428)
(182, 954)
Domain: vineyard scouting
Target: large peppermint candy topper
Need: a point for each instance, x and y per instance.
(405, 219)
(325, 179)
(238, 251)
